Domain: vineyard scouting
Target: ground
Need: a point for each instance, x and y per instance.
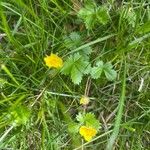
(74, 74)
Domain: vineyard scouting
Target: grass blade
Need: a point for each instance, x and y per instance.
(115, 133)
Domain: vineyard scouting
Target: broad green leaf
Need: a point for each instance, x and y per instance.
(92, 14)
(73, 127)
(66, 69)
(110, 73)
(88, 69)
(76, 75)
(91, 121)
(102, 15)
(80, 118)
(75, 66)
(97, 71)
(88, 15)
(74, 40)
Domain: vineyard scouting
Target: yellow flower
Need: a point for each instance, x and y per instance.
(87, 132)
(84, 100)
(53, 61)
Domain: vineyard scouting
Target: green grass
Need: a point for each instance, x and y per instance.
(37, 104)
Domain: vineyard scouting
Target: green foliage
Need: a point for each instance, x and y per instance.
(73, 41)
(102, 15)
(110, 73)
(19, 115)
(107, 68)
(30, 30)
(97, 70)
(75, 66)
(92, 15)
(2, 82)
(80, 118)
(130, 15)
(91, 121)
(87, 119)
(145, 28)
(73, 128)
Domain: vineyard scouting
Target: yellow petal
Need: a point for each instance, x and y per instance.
(87, 132)
(53, 61)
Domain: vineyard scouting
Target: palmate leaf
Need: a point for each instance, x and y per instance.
(97, 70)
(88, 14)
(102, 15)
(80, 118)
(107, 68)
(73, 41)
(76, 66)
(91, 121)
(73, 127)
(110, 73)
(91, 15)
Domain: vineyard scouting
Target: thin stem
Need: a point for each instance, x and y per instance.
(5, 134)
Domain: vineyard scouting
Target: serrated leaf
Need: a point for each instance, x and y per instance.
(97, 71)
(88, 14)
(86, 51)
(110, 73)
(73, 127)
(73, 41)
(76, 67)
(76, 75)
(80, 118)
(66, 69)
(91, 121)
(88, 69)
(91, 15)
(102, 15)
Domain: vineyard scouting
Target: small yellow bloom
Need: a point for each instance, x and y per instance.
(87, 132)
(53, 61)
(84, 100)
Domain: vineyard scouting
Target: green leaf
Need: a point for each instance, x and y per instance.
(19, 115)
(91, 15)
(110, 73)
(85, 52)
(76, 75)
(80, 118)
(91, 121)
(97, 71)
(73, 127)
(88, 14)
(88, 120)
(102, 15)
(66, 69)
(75, 66)
(73, 41)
